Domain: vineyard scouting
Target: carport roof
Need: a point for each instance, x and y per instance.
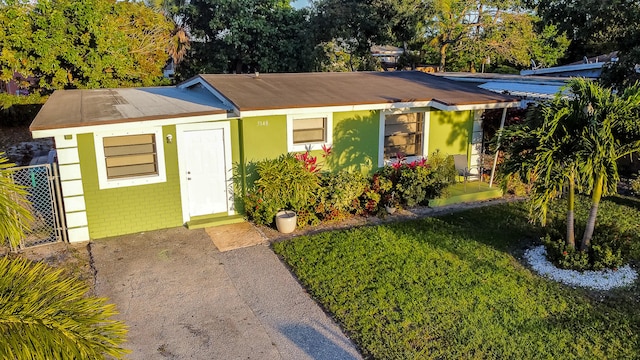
(249, 92)
(76, 108)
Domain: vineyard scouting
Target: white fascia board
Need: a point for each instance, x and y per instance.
(382, 106)
(334, 109)
(440, 106)
(199, 80)
(36, 134)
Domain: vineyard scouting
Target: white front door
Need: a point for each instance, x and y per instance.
(205, 171)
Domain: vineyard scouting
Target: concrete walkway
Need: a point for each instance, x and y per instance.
(183, 299)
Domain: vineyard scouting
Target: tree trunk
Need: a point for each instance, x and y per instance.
(591, 221)
(571, 240)
(443, 57)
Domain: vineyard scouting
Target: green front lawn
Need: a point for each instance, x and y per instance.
(454, 287)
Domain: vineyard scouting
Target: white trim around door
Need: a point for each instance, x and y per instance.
(185, 133)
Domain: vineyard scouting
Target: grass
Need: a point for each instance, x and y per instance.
(451, 287)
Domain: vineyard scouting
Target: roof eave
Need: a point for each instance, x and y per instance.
(121, 124)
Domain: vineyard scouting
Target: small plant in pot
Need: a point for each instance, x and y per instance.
(391, 202)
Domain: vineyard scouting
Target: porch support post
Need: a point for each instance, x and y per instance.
(495, 158)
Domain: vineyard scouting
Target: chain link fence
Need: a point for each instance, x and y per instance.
(42, 189)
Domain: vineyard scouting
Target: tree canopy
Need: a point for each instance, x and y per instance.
(596, 28)
(83, 44)
(246, 35)
(488, 31)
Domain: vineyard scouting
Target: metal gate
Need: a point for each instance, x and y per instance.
(43, 192)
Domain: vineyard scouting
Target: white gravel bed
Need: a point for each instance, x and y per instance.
(598, 280)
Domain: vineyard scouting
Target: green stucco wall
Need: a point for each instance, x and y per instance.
(264, 137)
(130, 209)
(450, 131)
(237, 159)
(355, 141)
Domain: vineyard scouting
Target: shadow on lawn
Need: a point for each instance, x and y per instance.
(313, 341)
(503, 227)
(625, 201)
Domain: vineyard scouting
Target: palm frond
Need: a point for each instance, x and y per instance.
(15, 217)
(44, 315)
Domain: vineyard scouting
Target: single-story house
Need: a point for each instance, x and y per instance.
(139, 159)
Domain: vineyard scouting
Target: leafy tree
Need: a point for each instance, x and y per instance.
(625, 71)
(575, 141)
(44, 315)
(478, 30)
(246, 35)
(83, 44)
(345, 30)
(594, 26)
(15, 216)
(599, 27)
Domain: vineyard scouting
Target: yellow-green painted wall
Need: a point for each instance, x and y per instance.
(355, 141)
(450, 131)
(133, 209)
(264, 137)
(237, 161)
(130, 209)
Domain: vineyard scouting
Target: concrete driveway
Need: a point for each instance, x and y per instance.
(183, 299)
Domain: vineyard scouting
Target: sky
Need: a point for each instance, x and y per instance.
(299, 3)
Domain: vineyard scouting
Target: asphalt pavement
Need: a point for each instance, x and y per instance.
(184, 299)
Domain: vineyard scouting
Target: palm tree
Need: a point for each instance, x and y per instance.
(542, 151)
(44, 315)
(14, 207)
(611, 131)
(179, 42)
(574, 142)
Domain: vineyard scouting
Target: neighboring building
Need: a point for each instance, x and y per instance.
(530, 88)
(588, 67)
(19, 85)
(140, 159)
(387, 55)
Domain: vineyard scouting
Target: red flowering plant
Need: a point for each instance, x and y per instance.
(415, 182)
(311, 162)
(308, 161)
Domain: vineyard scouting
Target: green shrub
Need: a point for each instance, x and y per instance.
(378, 187)
(20, 109)
(514, 185)
(610, 249)
(417, 182)
(443, 168)
(283, 183)
(415, 185)
(339, 193)
(564, 257)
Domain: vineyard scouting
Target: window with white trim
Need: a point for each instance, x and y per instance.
(308, 132)
(130, 158)
(404, 133)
